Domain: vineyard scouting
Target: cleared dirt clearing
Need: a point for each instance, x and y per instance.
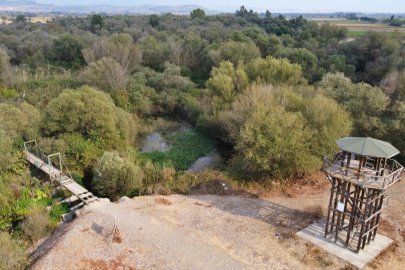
(204, 232)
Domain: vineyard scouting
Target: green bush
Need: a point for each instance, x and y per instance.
(114, 175)
(40, 91)
(283, 131)
(21, 119)
(90, 113)
(4, 68)
(7, 93)
(274, 71)
(225, 83)
(57, 210)
(235, 52)
(12, 253)
(15, 199)
(7, 156)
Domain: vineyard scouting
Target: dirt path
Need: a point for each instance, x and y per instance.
(204, 232)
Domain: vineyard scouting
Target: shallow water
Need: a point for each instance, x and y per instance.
(155, 142)
(205, 163)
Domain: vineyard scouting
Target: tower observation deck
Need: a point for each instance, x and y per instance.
(360, 173)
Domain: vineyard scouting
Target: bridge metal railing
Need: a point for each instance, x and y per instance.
(33, 148)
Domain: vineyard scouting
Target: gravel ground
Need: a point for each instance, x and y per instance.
(199, 232)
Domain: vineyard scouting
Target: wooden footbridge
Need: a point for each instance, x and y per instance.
(56, 168)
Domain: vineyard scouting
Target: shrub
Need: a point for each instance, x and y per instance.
(40, 91)
(303, 57)
(15, 198)
(57, 210)
(225, 83)
(7, 157)
(7, 93)
(22, 119)
(274, 71)
(281, 131)
(68, 50)
(140, 95)
(114, 175)
(12, 254)
(170, 79)
(90, 113)
(120, 48)
(36, 224)
(105, 74)
(4, 67)
(235, 52)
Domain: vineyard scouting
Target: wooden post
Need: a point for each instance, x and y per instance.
(330, 204)
(349, 158)
(369, 213)
(342, 199)
(342, 163)
(376, 202)
(338, 189)
(352, 220)
(349, 185)
(378, 215)
(364, 218)
(360, 164)
(383, 166)
(378, 166)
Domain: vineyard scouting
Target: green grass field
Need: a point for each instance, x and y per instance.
(357, 33)
(362, 33)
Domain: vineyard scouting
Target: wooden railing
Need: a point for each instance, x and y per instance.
(381, 179)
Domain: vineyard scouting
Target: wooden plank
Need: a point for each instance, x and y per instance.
(70, 200)
(77, 206)
(67, 182)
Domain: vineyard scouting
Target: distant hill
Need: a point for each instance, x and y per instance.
(33, 6)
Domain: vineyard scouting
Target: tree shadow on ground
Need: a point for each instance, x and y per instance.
(264, 210)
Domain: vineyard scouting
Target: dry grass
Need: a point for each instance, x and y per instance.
(388, 254)
(204, 205)
(316, 255)
(316, 211)
(369, 27)
(41, 19)
(163, 201)
(36, 225)
(11, 253)
(106, 265)
(386, 228)
(402, 233)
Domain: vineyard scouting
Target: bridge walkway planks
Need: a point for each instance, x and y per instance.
(67, 182)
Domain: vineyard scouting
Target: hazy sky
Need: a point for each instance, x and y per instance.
(396, 6)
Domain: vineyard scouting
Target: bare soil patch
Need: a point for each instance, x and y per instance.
(214, 232)
(163, 201)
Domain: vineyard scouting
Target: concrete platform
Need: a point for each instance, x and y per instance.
(314, 233)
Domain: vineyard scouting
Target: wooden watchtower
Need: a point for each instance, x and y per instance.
(360, 173)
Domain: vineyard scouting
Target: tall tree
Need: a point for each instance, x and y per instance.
(197, 14)
(154, 20)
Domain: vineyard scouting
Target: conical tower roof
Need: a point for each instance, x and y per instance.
(365, 146)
